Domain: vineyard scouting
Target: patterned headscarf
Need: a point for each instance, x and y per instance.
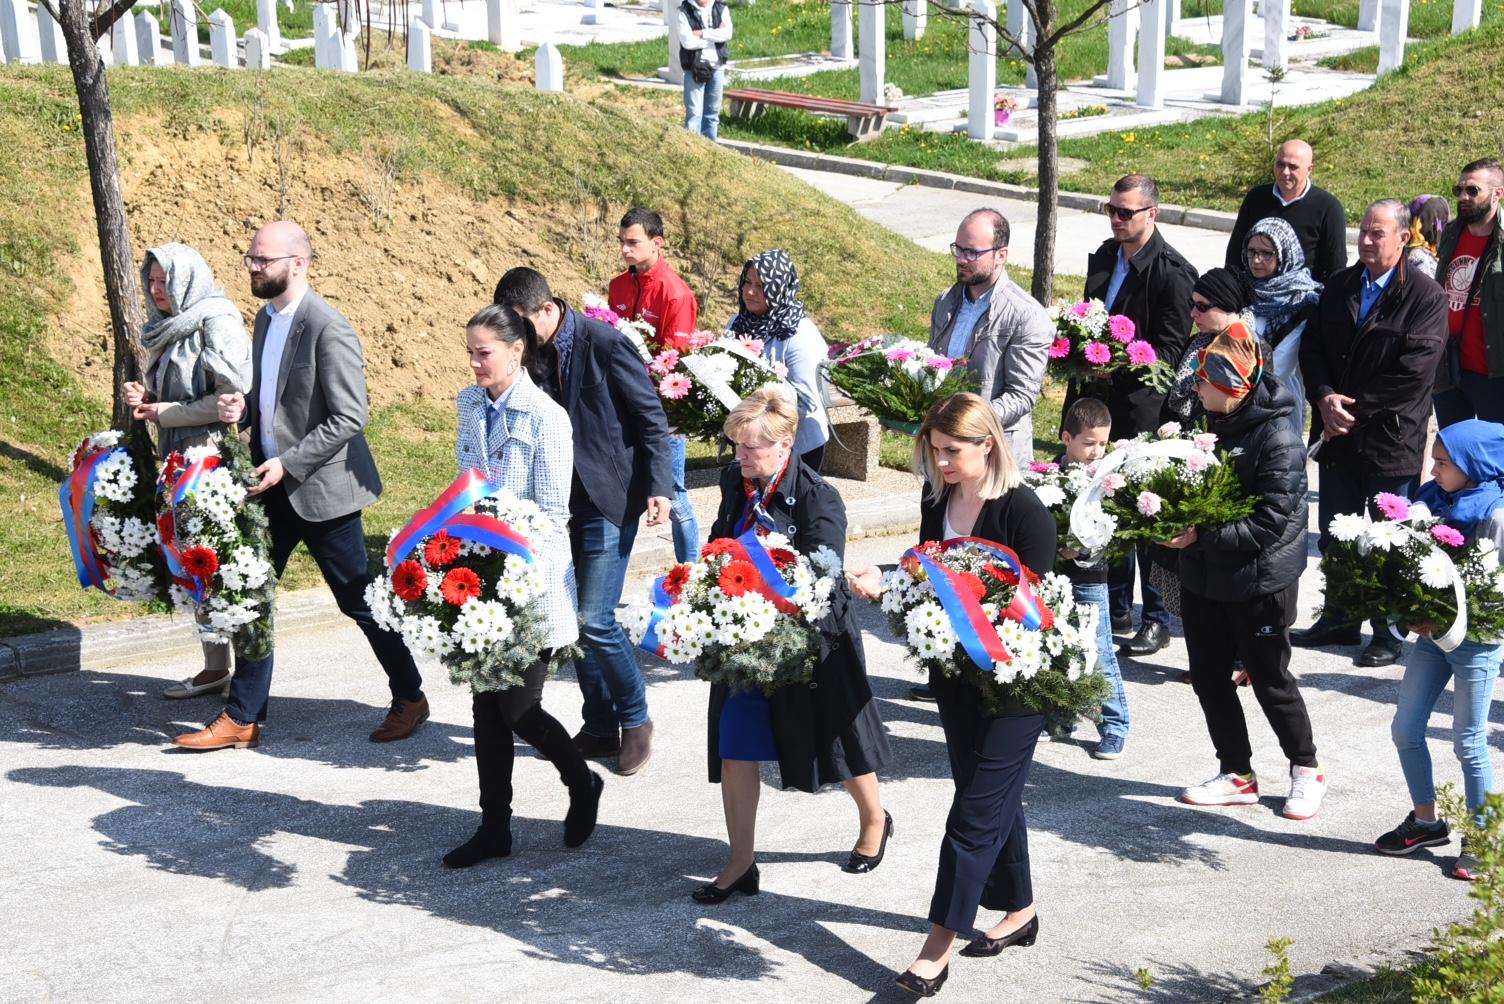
(1233, 362)
(780, 287)
(1291, 289)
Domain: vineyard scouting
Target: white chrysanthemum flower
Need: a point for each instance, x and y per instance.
(379, 598)
(1348, 526)
(115, 478)
(182, 602)
(1436, 570)
(425, 636)
(194, 454)
(634, 618)
(1384, 535)
(1050, 495)
(107, 440)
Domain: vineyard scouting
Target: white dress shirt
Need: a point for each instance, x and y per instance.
(278, 327)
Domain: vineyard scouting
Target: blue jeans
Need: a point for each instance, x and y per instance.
(615, 697)
(1115, 708)
(338, 547)
(1472, 668)
(702, 103)
(1120, 591)
(685, 528)
(1475, 396)
(1287, 371)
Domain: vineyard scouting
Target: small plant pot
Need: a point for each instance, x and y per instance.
(1000, 117)
(907, 428)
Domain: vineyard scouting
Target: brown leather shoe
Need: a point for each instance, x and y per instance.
(223, 733)
(636, 749)
(402, 721)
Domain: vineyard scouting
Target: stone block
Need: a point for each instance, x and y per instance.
(1394, 25)
(853, 450)
(266, 22)
(52, 45)
(549, 68)
(1235, 47)
(149, 39)
(184, 29)
(501, 25)
(916, 14)
(222, 40)
(1122, 33)
(841, 45)
(872, 50)
(125, 44)
(258, 50)
(18, 33)
(981, 46)
(419, 46)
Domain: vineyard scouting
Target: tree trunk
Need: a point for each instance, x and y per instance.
(1049, 157)
(127, 312)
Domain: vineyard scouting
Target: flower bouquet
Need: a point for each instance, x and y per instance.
(1414, 570)
(1154, 486)
(1091, 343)
(969, 607)
(896, 379)
(746, 614)
(217, 544)
(700, 386)
(109, 510)
(466, 588)
(1003, 107)
(640, 333)
(1058, 488)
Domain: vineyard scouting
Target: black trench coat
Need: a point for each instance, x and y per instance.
(829, 730)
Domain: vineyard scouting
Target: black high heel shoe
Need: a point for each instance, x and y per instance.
(860, 864)
(920, 986)
(747, 885)
(985, 947)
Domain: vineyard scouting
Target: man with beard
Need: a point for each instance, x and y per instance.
(1470, 267)
(305, 415)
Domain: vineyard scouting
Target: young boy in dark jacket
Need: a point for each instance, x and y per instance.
(1238, 581)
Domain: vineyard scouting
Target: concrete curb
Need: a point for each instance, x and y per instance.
(99, 646)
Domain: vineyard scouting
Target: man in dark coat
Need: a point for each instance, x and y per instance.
(1138, 274)
(1370, 360)
(1318, 219)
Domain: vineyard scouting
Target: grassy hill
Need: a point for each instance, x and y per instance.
(418, 193)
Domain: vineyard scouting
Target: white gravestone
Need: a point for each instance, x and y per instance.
(1030, 37)
(549, 68)
(1151, 55)
(501, 25)
(266, 22)
(326, 37)
(1276, 33)
(1235, 17)
(431, 14)
(1017, 15)
(1394, 24)
(50, 38)
(184, 28)
(222, 39)
(22, 43)
(671, 21)
(981, 45)
(841, 45)
(916, 15)
(1368, 15)
(258, 50)
(596, 12)
(419, 46)
(1465, 15)
(872, 49)
(149, 39)
(1122, 32)
(124, 42)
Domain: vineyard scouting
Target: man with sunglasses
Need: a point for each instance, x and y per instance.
(1316, 216)
(1470, 267)
(1138, 274)
(1369, 358)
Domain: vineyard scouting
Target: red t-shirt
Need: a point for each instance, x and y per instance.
(1465, 319)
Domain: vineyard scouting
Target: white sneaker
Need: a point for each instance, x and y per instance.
(1224, 789)
(1307, 789)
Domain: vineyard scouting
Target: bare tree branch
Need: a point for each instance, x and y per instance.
(104, 20)
(49, 8)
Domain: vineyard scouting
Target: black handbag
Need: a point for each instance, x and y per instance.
(702, 70)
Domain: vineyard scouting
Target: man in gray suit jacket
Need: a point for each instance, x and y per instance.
(305, 415)
(1002, 331)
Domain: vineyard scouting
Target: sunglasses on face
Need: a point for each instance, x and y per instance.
(1199, 306)
(1124, 214)
(1471, 191)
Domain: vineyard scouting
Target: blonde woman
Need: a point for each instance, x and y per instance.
(823, 733)
(973, 489)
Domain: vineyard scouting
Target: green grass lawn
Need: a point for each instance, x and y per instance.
(296, 23)
(1428, 18)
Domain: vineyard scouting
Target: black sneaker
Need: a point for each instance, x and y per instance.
(1412, 835)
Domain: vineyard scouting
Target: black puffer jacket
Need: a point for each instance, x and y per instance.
(1267, 551)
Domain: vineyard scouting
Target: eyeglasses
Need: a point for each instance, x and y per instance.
(1199, 306)
(970, 254)
(1473, 191)
(257, 263)
(1123, 213)
(1256, 255)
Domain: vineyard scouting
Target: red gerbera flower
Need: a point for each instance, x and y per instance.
(409, 580)
(460, 586)
(737, 577)
(677, 578)
(1003, 575)
(974, 583)
(441, 550)
(782, 556)
(721, 545)
(173, 466)
(200, 562)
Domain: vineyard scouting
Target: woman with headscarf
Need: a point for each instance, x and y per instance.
(1429, 216)
(1219, 302)
(1284, 300)
(196, 349)
(1468, 493)
(768, 293)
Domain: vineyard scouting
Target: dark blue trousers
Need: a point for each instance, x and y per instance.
(984, 858)
(338, 547)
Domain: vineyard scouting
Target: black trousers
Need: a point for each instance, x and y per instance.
(984, 858)
(1258, 632)
(1345, 489)
(501, 714)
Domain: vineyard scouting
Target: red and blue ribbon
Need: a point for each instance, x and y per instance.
(490, 531)
(469, 488)
(769, 582)
(661, 602)
(973, 628)
(76, 496)
(167, 523)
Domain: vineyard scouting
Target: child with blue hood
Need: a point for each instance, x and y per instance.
(1467, 491)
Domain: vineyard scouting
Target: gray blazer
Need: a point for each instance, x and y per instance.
(1009, 349)
(321, 412)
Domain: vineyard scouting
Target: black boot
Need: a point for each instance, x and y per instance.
(542, 732)
(487, 843)
(493, 765)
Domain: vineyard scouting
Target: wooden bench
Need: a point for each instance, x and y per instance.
(862, 121)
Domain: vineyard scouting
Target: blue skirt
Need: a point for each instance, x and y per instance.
(747, 727)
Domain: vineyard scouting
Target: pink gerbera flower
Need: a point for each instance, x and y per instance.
(941, 363)
(665, 361)
(1447, 535)
(1141, 353)
(752, 345)
(1121, 328)
(1392, 506)
(674, 386)
(899, 355)
(1081, 309)
(1060, 348)
(1097, 354)
(1041, 467)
